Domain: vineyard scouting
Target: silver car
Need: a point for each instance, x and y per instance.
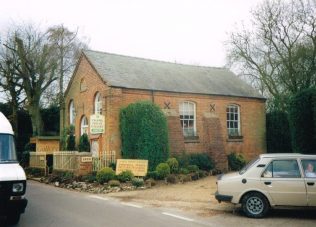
(270, 180)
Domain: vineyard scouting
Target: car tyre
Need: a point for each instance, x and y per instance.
(13, 218)
(255, 205)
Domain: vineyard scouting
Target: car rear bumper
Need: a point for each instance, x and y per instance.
(223, 198)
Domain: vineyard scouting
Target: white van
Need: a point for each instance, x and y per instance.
(12, 176)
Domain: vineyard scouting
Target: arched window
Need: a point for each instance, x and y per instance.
(98, 103)
(84, 125)
(72, 112)
(233, 120)
(188, 118)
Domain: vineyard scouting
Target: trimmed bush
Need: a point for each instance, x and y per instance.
(71, 140)
(84, 144)
(236, 161)
(183, 160)
(89, 178)
(202, 160)
(302, 117)
(138, 182)
(125, 176)
(173, 164)
(144, 133)
(105, 175)
(278, 133)
(163, 170)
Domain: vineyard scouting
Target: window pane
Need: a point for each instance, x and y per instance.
(309, 168)
(285, 169)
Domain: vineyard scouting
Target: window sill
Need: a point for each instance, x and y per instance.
(191, 139)
(235, 139)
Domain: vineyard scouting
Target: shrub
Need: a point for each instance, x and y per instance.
(184, 171)
(36, 172)
(144, 133)
(202, 160)
(71, 141)
(193, 168)
(236, 161)
(124, 176)
(202, 173)
(89, 178)
(114, 183)
(278, 133)
(302, 117)
(153, 174)
(104, 175)
(183, 160)
(171, 178)
(84, 144)
(173, 164)
(138, 182)
(163, 170)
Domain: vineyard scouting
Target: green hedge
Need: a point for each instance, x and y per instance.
(84, 144)
(278, 133)
(144, 133)
(303, 121)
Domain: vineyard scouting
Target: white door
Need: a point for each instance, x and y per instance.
(95, 148)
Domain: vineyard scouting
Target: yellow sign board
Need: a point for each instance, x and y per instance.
(97, 124)
(137, 167)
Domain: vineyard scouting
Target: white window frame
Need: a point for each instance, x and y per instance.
(72, 112)
(233, 119)
(84, 125)
(186, 109)
(98, 103)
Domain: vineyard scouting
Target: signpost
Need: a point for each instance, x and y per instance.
(137, 167)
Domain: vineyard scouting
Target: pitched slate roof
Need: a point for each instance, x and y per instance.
(138, 73)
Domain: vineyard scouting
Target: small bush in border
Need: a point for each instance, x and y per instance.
(172, 178)
(163, 170)
(173, 164)
(138, 182)
(125, 176)
(104, 175)
(184, 171)
(193, 168)
(236, 161)
(152, 174)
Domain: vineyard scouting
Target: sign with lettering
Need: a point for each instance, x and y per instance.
(86, 159)
(137, 167)
(97, 124)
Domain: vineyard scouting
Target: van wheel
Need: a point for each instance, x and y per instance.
(13, 218)
(255, 205)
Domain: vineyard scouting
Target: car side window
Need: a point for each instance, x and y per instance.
(309, 168)
(282, 169)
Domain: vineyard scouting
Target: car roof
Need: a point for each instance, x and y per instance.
(286, 155)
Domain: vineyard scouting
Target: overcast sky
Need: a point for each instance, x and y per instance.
(183, 31)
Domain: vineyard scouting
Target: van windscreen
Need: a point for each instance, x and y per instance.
(7, 148)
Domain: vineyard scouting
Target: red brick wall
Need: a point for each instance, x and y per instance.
(252, 115)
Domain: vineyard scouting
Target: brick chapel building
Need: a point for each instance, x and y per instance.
(208, 109)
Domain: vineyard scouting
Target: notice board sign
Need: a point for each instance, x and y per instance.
(97, 124)
(137, 167)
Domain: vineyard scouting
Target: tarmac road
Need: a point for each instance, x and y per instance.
(50, 206)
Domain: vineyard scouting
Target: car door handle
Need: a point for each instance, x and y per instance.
(267, 182)
(310, 183)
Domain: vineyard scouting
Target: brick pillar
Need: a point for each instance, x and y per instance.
(176, 138)
(215, 140)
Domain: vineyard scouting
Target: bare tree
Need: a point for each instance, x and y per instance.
(36, 69)
(68, 49)
(278, 55)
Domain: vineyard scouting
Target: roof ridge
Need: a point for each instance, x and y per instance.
(155, 60)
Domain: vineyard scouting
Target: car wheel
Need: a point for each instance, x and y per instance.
(255, 205)
(13, 218)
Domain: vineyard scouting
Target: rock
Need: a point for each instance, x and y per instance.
(57, 184)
